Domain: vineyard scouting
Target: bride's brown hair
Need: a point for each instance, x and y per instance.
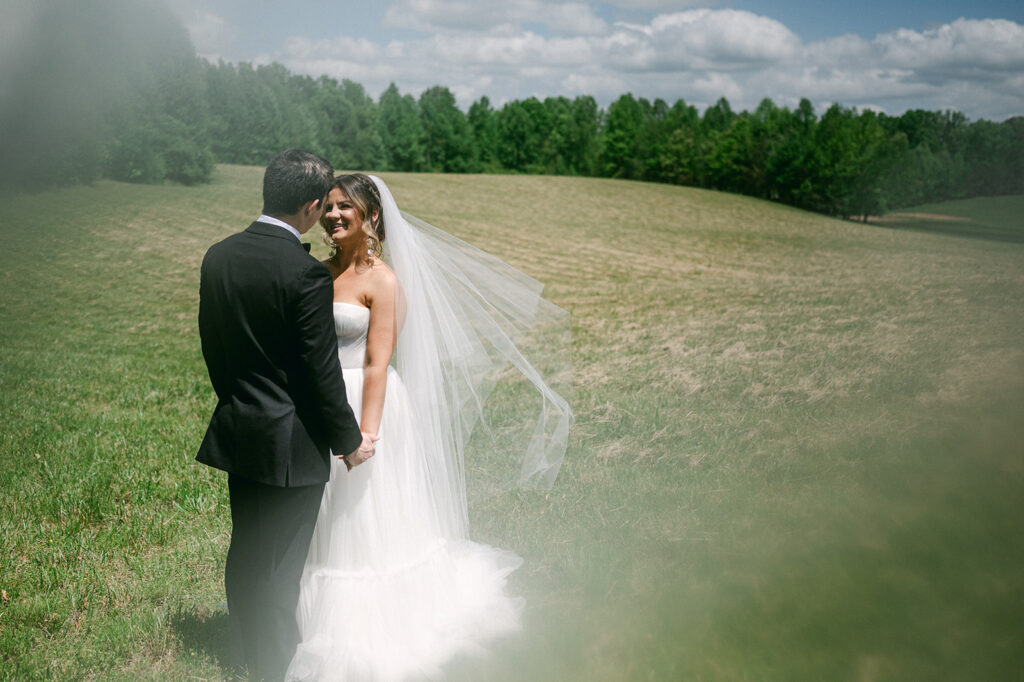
(363, 193)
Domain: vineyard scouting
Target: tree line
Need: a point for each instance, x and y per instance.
(106, 88)
(146, 109)
(844, 162)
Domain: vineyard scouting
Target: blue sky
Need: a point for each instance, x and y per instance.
(867, 18)
(890, 56)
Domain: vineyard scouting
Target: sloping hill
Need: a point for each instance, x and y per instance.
(998, 218)
(797, 452)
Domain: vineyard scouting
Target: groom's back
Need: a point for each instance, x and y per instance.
(261, 427)
(243, 307)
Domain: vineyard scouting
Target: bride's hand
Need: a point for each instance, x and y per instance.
(363, 452)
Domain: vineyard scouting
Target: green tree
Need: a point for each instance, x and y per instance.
(620, 143)
(858, 157)
(718, 117)
(1013, 149)
(447, 138)
(521, 132)
(675, 153)
(796, 162)
(163, 128)
(767, 123)
(255, 114)
(993, 158)
(99, 87)
(584, 145)
(556, 155)
(349, 130)
(657, 133)
(933, 161)
(401, 131)
(225, 104)
(730, 163)
(482, 123)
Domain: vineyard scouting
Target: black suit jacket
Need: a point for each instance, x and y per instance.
(267, 328)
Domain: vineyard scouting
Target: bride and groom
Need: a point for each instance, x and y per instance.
(346, 392)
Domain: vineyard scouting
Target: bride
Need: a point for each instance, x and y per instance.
(392, 587)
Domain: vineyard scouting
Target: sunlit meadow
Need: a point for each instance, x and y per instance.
(797, 452)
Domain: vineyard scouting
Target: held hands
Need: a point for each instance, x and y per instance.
(363, 452)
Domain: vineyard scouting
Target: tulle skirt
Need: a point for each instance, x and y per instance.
(387, 594)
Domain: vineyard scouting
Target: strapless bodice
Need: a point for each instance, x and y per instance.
(351, 324)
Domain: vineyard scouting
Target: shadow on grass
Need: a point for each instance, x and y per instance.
(953, 228)
(207, 635)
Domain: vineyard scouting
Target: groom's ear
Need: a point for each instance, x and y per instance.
(318, 204)
(314, 206)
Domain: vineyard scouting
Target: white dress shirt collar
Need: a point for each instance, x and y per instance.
(264, 218)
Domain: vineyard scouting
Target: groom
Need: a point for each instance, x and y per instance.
(268, 338)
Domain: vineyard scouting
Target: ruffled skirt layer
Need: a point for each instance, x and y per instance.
(388, 593)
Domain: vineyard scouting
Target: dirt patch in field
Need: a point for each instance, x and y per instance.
(919, 216)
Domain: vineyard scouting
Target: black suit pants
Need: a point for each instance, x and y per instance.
(271, 528)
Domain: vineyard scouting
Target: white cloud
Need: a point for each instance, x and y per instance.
(352, 50)
(517, 52)
(968, 65)
(356, 59)
(577, 84)
(211, 34)
(663, 6)
(985, 43)
(974, 66)
(716, 40)
(503, 18)
(843, 50)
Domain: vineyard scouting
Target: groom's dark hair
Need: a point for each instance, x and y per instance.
(293, 179)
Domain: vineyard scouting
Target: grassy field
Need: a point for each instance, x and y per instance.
(798, 451)
(996, 218)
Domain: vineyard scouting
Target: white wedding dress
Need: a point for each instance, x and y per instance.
(389, 591)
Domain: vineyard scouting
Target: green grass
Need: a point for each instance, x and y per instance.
(797, 453)
(997, 218)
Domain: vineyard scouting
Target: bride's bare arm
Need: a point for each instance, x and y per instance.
(380, 345)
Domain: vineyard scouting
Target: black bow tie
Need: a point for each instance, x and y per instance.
(306, 246)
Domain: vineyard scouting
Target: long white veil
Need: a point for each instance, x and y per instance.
(481, 355)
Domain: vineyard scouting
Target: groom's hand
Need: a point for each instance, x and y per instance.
(363, 452)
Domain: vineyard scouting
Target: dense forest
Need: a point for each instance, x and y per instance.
(123, 95)
(102, 88)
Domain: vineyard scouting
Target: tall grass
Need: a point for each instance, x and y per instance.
(797, 453)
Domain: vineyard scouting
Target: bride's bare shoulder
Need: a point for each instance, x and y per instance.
(382, 279)
(380, 269)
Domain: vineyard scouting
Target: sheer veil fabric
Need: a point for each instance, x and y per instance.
(393, 588)
(476, 328)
